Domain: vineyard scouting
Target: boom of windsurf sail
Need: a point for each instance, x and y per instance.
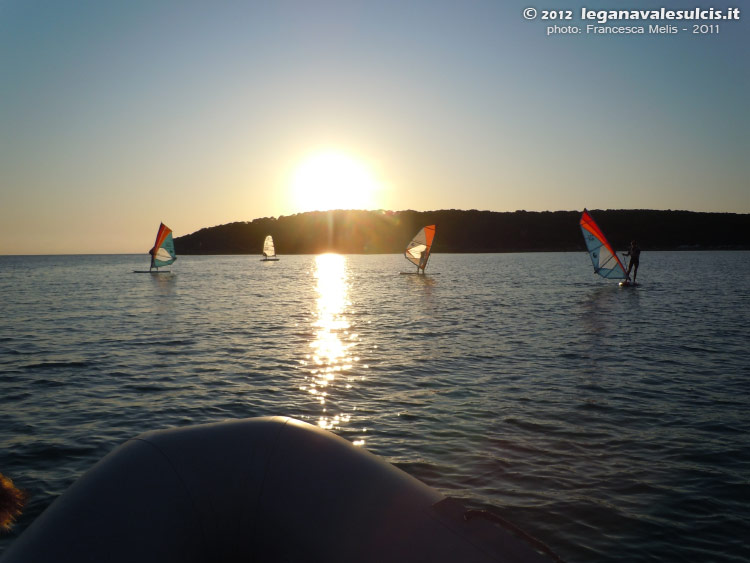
(605, 260)
(163, 254)
(268, 249)
(418, 250)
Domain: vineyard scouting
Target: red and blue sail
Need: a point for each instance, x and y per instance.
(605, 260)
(163, 254)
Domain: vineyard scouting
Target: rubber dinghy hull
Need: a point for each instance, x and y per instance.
(261, 489)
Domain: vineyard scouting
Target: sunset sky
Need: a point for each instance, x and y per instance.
(117, 115)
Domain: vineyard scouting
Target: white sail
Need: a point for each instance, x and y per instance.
(268, 250)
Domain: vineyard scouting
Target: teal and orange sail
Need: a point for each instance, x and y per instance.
(418, 250)
(605, 260)
(163, 254)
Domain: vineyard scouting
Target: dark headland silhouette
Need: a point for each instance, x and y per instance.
(458, 231)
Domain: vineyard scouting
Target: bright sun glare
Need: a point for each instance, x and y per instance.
(333, 180)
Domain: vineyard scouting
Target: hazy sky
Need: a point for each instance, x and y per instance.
(116, 115)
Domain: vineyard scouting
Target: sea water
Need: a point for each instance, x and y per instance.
(611, 423)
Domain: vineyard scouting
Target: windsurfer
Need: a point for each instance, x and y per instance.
(418, 250)
(423, 261)
(635, 254)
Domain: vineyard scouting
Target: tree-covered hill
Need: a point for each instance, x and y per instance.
(376, 232)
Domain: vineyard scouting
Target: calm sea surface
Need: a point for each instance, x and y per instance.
(613, 424)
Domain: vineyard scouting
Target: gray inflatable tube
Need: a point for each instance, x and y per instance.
(256, 490)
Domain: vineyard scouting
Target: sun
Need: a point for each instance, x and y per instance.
(333, 180)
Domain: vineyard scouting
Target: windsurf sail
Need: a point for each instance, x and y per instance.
(418, 250)
(163, 254)
(605, 260)
(268, 249)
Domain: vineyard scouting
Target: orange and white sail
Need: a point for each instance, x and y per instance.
(418, 250)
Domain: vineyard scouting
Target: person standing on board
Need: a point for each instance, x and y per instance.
(635, 254)
(422, 261)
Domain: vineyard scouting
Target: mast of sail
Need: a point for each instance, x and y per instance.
(268, 249)
(603, 256)
(163, 253)
(418, 250)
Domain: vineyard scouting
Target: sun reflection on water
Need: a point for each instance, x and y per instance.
(330, 363)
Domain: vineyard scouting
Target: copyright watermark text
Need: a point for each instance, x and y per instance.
(698, 21)
(662, 14)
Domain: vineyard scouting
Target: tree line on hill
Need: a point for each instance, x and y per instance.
(459, 231)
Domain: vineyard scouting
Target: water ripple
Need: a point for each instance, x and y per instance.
(611, 424)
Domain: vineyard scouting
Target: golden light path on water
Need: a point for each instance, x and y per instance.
(332, 357)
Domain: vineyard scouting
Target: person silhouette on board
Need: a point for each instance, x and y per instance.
(423, 261)
(635, 253)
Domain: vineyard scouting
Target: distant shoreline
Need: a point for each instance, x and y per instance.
(469, 232)
(436, 252)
